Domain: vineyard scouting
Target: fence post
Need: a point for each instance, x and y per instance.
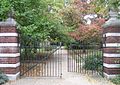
(111, 50)
(9, 49)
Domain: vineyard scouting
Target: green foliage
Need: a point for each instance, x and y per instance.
(3, 78)
(34, 54)
(49, 48)
(103, 6)
(34, 19)
(93, 61)
(43, 55)
(4, 8)
(71, 16)
(27, 53)
(116, 80)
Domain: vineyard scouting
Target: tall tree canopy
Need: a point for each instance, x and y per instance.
(73, 17)
(34, 18)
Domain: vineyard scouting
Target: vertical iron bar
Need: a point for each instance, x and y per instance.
(68, 58)
(58, 56)
(79, 58)
(61, 55)
(53, 60)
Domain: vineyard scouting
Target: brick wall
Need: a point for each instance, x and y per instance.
(111, 51)
(9, 49)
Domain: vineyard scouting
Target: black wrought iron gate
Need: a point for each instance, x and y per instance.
(44, 59)
(40, 59)
(85, 58)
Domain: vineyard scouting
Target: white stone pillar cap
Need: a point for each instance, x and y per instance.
(9, 22)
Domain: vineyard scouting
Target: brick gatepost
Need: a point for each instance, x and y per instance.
(9, 49)
(111, 50)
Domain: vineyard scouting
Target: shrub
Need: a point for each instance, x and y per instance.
(93, 61)
(3, 78)
(48, 48)
(116, 80)
(42, 55)
(27, 53)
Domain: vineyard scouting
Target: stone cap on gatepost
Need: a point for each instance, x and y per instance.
(9, 22)
(113, 20)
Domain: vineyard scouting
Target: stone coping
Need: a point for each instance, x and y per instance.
(8, 22)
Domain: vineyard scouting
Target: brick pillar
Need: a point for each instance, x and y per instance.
(111, 53)
(9, 50)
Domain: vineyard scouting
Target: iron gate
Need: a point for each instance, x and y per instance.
(85, 58)
(40, 59)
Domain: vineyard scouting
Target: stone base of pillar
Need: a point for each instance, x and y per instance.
(108, 76)
(10, 67)
(13, 77)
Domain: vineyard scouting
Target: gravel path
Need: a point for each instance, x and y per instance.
(68, 78)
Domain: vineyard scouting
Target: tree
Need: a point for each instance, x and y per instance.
(89, 33)
(35, 22)
(73, 15)
(33, 17)
(103, 6)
